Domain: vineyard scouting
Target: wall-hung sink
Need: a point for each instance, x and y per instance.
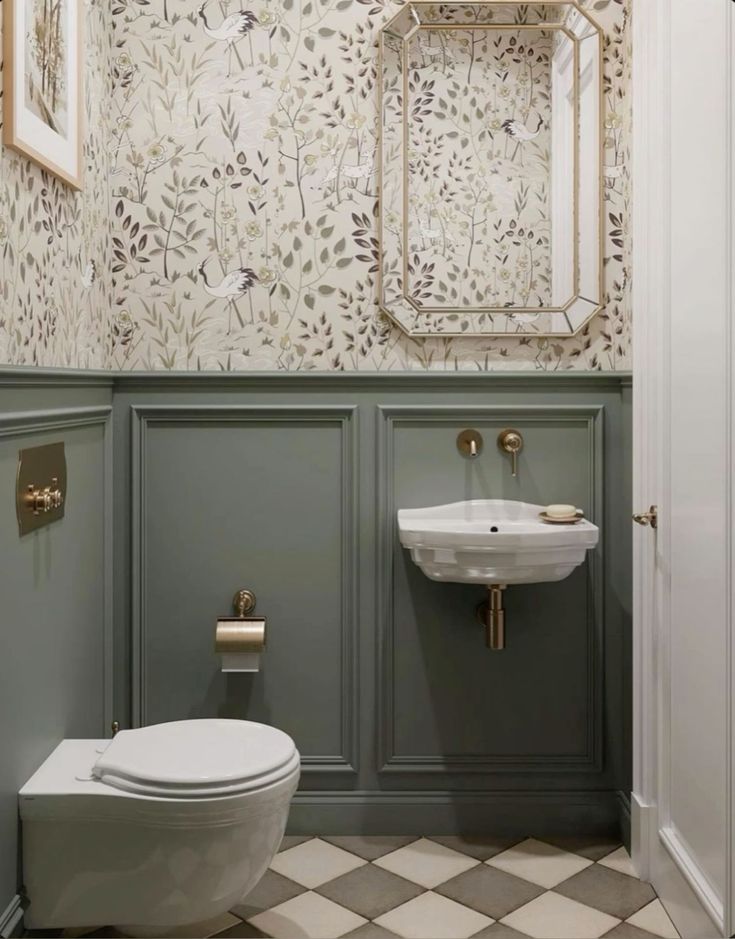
(493, 542)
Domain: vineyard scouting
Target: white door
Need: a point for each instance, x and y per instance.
(683, 195)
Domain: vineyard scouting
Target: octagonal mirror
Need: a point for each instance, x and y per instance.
(491, 168)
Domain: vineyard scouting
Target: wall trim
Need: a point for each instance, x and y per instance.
(504, 812)
(31, 376)
(693, 875)
(11, 919)
(391, 416)
(145, 416)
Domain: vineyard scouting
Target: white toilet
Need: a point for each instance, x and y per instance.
(160, 827)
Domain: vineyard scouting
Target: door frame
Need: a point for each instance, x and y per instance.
(657, 854)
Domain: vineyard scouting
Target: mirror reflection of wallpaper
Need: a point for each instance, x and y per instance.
(480, 167)
(244, 195)
(55, 264)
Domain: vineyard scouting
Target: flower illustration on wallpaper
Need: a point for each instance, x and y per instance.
(231, 288)
(230, 31)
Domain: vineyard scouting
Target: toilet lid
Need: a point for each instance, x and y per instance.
(189, 759)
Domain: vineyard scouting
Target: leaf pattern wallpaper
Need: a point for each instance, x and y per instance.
(243, 139)
(229, 215)
(55, 243)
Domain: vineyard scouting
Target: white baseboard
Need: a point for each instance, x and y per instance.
(642, 827)
(693, 875)
(11, 919)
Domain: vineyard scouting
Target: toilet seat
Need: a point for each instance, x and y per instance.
(197, 759)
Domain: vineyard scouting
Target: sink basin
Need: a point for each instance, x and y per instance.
(493, 542)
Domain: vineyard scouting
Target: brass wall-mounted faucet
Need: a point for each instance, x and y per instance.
(511, 441)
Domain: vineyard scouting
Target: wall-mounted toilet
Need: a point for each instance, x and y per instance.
(163, 826)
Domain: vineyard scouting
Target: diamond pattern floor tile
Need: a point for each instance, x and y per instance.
(628, 931)
(607, 890)
(314, 863)
(490, 891)
(619, 860)
(592, 847)
(310, 916)
(655, 919)
(371, 931)
(426, 863)
(433, 917)
(370, 891)
(272, 890)
(482, 847)
(552, 916)
(370, 847)
(438, 887)
(539, 862)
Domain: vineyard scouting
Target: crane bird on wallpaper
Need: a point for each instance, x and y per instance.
(521, 134)
(233, 286)
(230, 30)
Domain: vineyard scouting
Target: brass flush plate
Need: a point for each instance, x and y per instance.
(40, 495)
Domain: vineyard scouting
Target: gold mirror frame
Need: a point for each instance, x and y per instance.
(587, 267)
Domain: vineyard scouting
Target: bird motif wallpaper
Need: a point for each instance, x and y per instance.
(244, 194)
(55, 243)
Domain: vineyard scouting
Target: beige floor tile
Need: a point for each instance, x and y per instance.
(619, 861)
(655, 919)
(539, 862)
(433, 917)
(314, 863)
(426, 863)
(308, 917)
(552, 916)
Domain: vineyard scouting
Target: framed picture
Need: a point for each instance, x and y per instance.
(43, 53)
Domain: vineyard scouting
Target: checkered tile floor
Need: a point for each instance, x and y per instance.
(445, 888)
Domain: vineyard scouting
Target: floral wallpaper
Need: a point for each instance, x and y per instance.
(244, 195)
(55, 243)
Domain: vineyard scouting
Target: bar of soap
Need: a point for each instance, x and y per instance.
(561, 511)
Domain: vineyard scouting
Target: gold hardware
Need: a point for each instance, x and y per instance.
(115, 727)
(647, 518)
(241, 634)
(243, 602)
(511, 441)
(492, 616)
(470, 443)
(38, 504)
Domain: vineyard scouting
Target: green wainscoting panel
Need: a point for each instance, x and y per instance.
(447, 703)
(55, 594)
(405, 720)
(262, 498)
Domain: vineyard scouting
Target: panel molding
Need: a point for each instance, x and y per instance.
(389, 762)
(143, 418)
(52, 420)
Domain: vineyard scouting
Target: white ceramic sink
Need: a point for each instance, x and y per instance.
(493, 542)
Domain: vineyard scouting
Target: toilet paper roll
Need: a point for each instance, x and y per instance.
(234, 662)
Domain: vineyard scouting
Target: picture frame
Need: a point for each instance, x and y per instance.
(43, 48)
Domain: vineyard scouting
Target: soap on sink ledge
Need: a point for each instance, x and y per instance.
(561, 511)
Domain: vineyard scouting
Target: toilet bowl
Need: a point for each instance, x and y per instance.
(160, 827)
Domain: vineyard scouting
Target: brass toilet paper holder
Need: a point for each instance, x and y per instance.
(241, 634)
